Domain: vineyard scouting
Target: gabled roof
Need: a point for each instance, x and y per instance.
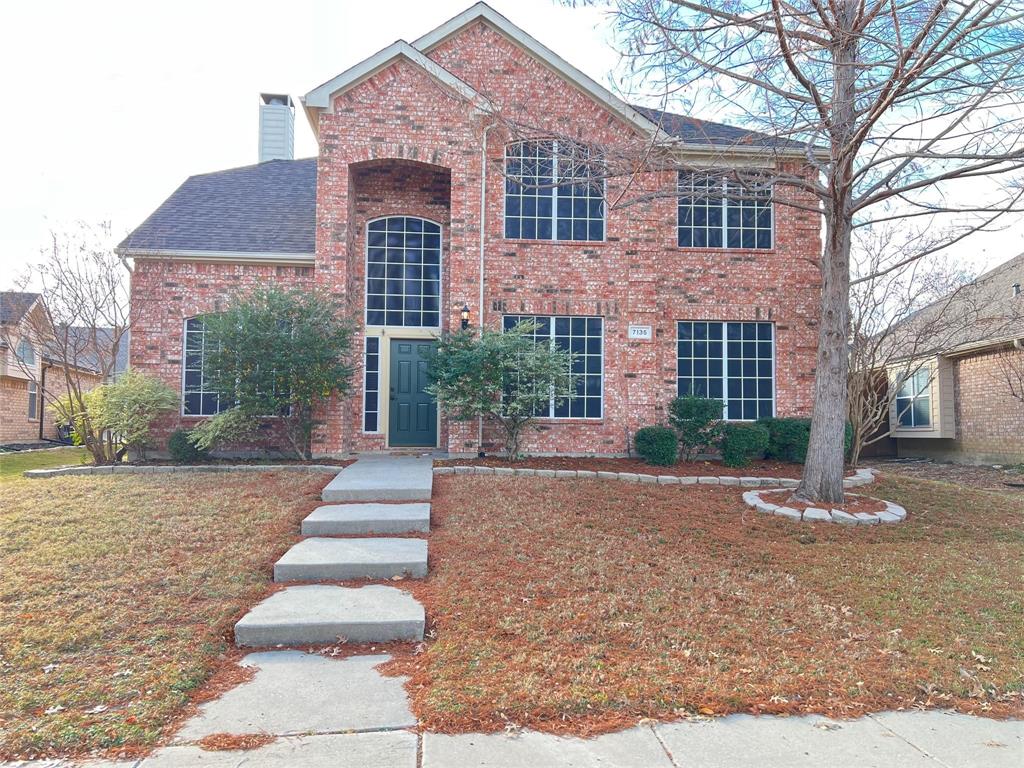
(984, 313)
(14, 305)
(320, 97)
(266, 210)
(484, 12)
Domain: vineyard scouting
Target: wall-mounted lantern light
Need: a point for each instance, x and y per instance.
(465, 316)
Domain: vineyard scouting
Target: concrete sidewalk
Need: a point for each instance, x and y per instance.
(886, 740)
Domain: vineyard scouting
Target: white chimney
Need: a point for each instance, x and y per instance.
(277, 127)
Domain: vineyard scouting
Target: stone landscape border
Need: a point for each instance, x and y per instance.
(862, 476)
(163, 469)
(893, 513)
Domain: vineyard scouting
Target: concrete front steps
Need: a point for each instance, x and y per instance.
(314, 614)
(383, 478)
(342, 519)
(324, 559)
(326, 614)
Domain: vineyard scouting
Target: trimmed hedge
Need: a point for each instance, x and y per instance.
(789, 436)
(742, 442)
(657, 445)
(183, 451)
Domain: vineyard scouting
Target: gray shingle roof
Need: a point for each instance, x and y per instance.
(694, 131)
(265, 208)
(14, 304)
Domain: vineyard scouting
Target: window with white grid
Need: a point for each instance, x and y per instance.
(371, 385)
(714, 212)
(403, 272)
(553, 191)
(733, 362)
(583, 337)
(198, 399)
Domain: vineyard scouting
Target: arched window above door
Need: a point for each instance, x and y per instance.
(403, 272)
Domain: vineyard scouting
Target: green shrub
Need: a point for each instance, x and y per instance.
(743, 442)
(789, 436)
(657, 445)
(698, 422)
(183, 451)
(231, 426)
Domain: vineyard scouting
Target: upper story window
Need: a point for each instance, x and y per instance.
(26, 353)
(554, 190)
(914, 400)
(197, 396)
(403, 272)
(715, 212)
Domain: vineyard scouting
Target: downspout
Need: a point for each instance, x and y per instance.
(483, 235)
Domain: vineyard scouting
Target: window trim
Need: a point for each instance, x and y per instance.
(554, 205)
(551, 339)
(366, 390)
(925, 394)
(725, 364)
(725, 220)
(33, 401)
(366, 276)
(184, 351)
(24, 342)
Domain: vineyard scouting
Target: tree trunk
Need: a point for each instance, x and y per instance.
(823, 470)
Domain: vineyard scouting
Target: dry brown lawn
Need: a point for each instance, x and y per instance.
(118, 594)
(584, 605)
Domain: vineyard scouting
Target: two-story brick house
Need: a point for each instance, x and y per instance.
(449, 177)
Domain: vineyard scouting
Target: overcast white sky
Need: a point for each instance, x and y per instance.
(108, 106)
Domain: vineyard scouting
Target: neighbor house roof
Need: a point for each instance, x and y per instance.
(266, 210)
(14, 305)
(986, 312)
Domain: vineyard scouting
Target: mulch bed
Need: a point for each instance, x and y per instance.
(606, 464)
(1009, 480)
(852, 503)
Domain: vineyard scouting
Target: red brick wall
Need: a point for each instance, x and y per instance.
(165, 293)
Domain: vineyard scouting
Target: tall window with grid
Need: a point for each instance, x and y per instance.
(198, 399)
(371, 385)
(403, 272)
(714, 212)
(732, 361)
(554, 190)
(584, 338)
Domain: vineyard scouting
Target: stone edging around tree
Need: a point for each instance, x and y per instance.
(893, 513)
(163, 469)
(862, 476)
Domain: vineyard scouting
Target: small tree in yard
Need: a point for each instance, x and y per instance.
(120, 413)
(506, 377)
(277, 354)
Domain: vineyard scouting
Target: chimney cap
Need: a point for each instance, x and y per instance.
(277, 99)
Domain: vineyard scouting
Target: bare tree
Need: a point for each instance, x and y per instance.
(1010, 370)
(81, 327)
(899, 105)
(898, 319)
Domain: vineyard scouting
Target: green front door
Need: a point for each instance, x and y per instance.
(413, 413)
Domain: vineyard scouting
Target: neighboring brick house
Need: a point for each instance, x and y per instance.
(31, 375)
(423, 201)
(966, 403)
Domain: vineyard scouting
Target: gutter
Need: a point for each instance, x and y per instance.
(483, 237)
